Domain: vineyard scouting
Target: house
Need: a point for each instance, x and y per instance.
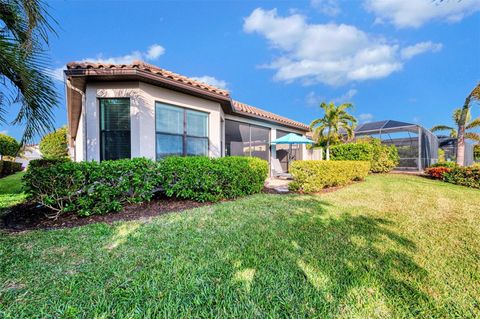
(28, 152)
(139, 110)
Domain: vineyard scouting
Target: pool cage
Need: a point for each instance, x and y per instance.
(449, 146)
(417, 146)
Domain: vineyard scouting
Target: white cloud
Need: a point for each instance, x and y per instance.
(328, 7)
(415, 13)
(422, 47)
(212, 81)
(332, 54)
(347, 97)
(153, 53)
(313, 99)
(4, 132)
(365, 117)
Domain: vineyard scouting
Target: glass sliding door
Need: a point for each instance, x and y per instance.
(243, 139)
(180, 131)
(115, 129)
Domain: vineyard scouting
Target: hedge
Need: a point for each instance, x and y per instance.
(312, 176)
(383, 158)
(9, 168)
(352, 152)
(466, 176)
(444, 164)
(45, 162)
(205, 179)
(88, 188)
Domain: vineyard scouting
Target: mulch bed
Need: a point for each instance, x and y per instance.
(28, 216)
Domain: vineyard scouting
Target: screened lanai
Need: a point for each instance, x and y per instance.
(417, 146)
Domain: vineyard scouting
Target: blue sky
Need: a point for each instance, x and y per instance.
(412, 61)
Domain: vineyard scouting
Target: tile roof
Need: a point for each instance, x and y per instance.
(248, 109)
(237, 107)
(140, 65)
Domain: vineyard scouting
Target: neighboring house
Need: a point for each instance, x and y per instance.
(125, 111)
(28, 152)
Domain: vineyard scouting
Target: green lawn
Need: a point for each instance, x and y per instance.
(392, 247)
(11, 190)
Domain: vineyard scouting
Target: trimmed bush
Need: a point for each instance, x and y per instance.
(383, 158)
(90, 187)
(46, 162)
(204, 179)
(352, 152)
(437, 172)
(466, 176)
(312, 176)
(9, 168)
(55, 144)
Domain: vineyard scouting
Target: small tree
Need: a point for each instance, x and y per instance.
(335, 125)
(55, 144)
(8, 146)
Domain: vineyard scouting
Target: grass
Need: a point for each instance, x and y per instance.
(392, 247)
(11, 190)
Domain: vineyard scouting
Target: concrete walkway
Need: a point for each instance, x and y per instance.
(277, 185)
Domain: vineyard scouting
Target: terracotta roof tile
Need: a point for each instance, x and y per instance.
(140, 65)
(248, 109)
(238, 107)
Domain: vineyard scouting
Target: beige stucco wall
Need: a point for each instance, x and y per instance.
(142, 113)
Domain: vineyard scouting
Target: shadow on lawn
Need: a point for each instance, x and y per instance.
(291, 258)
(350, 261)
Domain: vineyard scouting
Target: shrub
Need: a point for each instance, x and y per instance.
(476, 152)
(437, 172)
(90, 187)
(45, 162)
(9, 168)
(312, 176)
(352, 152)
(441, 155)
(383, 158)
(8, 146)
(55, 144)
(466, 176)
(445, 164)
(204, 179)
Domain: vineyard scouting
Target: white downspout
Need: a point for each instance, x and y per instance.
(82, 116)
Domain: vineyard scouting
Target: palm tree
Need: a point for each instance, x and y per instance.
(469, 125)
(336, 124)
(23, 65)
(473, 96)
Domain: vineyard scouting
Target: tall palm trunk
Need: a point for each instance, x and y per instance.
(461, 132)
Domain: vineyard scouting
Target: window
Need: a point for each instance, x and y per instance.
(246, 140)
(115, 129)
(180, 131)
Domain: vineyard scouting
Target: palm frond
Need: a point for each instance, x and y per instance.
(472, 136)
(473, 124)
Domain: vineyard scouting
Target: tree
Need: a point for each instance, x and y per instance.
(336, 124)
(476, 152)
(473, 96)
(469, 125)
(25, 30)
(55, 145)
(8, 146)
